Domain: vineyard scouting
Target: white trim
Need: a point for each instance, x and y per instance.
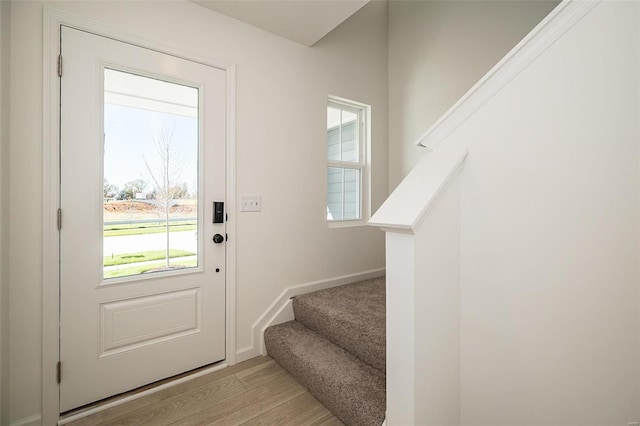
(52, 21)
(277, 310)
(231, 211)
(550, 29)
(50, 203)
(34, 420)
(246, 353)
(284, 314)
(138, 395)
(333, 224)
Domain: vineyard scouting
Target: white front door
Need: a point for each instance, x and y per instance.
(142, 282)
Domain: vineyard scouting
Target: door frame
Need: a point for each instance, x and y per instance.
(53, 20)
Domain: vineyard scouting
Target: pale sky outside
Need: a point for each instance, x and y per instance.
(128, 141)
(135, 108)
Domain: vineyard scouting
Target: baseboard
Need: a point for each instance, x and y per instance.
(34, 420)
(281, 310)
(284, 314)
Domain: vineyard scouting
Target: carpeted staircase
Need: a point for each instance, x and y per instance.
(336, 348)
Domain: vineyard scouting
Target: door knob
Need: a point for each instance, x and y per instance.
(218, 238)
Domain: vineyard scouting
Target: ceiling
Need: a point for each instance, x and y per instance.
(302, 21)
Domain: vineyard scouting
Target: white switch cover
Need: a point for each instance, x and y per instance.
(251, 203)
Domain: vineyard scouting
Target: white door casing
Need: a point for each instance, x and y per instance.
(116, 335)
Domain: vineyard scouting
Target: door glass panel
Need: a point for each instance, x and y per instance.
(150, 207)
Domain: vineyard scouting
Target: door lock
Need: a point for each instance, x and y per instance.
(218, 238)
(218, 212)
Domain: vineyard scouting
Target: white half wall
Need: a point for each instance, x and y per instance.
(282, 89)
(550, 295)
(400, 324)
(437, 311)
(437, 51)
(423, 306)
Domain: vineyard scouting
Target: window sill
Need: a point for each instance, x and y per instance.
(346, 223)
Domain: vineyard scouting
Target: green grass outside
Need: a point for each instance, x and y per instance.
(126, 258)
(147, 228)
(136, 270)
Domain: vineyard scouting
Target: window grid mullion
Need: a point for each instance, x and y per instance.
(345, 164)
(343, 189)
(340, 137)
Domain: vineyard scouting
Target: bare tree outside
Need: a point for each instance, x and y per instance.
(132, 189)
(109, 191)
(164, 176)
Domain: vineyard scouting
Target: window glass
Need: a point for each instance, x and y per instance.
(150, 193)
(343, 193)
(345, 163)
(335, 185)
(349, 136)
(333, 133)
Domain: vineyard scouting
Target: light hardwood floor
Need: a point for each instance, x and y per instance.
(254, 392)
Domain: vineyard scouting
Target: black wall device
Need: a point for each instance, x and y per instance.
(218, 212)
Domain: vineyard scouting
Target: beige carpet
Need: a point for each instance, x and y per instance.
(336, 349)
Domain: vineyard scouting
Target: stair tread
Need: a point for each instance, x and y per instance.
(352, 389)
(351, 316)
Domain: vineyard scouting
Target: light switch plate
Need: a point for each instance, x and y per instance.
(250, 203)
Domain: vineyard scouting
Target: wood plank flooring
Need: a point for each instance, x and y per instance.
(254, 392)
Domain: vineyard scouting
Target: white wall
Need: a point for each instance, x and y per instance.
(550, 283)
(282, 89)
(4, 182)
(437, 51)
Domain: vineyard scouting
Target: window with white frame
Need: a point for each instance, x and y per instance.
(347, 171)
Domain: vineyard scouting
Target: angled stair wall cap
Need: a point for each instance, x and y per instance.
(550, 29)
(409, 203)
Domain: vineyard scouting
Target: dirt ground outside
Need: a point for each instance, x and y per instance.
(135, 210)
